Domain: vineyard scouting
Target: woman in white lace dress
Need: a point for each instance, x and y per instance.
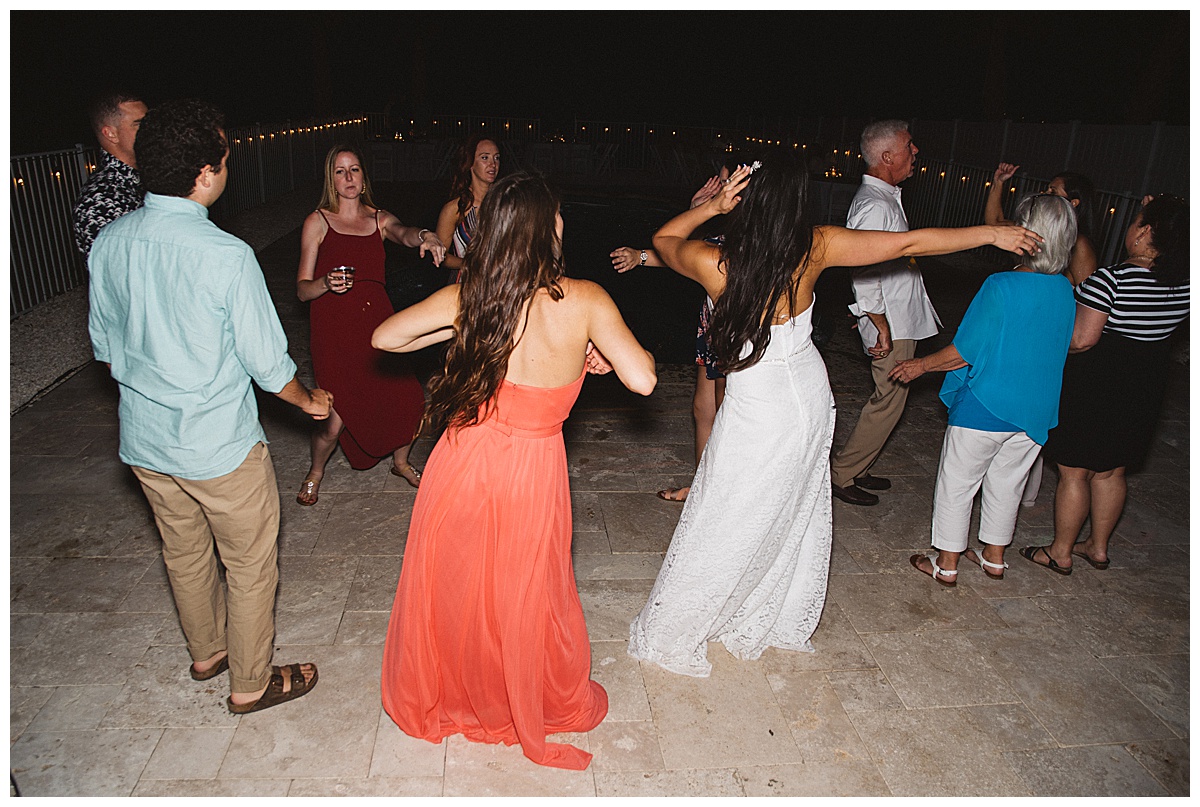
(749, 560)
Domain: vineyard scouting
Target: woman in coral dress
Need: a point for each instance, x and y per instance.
(378, 406)
(487, 637)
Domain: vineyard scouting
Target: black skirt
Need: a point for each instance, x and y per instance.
(1111, 397)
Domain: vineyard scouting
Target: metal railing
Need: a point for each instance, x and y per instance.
(265, 162)
(949, 189)
(45, 261)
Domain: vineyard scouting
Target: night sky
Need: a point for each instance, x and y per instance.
(717, 68)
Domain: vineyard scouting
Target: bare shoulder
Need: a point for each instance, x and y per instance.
(315, 225)
(583, 292)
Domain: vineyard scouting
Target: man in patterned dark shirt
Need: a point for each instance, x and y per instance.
(115, 188)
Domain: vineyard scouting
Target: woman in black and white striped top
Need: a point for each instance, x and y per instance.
(1114, 380)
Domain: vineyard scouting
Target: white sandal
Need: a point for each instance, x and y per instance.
(978, 559)
(938, 571)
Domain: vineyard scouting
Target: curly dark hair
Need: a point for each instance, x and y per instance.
(515, 252)
(1170, 235)
(767, 239)
(175, 141)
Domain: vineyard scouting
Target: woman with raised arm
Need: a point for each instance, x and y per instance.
(748, 563)
(342, 274)
(1114, 381)
(1076, 189)
(487, 636)
(477, 169)
(710, 383)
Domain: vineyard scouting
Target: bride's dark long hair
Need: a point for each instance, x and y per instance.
(768, 236)
(514, 253)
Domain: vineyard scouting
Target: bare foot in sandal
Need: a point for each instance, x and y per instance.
(674, 494)
(308, 490)
(408, 473)
(287, 683)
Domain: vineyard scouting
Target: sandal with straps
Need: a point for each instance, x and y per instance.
(414, 479)
(978, 559)
(938, 573)
(274, 693)
(1030, 552)
(307, 496)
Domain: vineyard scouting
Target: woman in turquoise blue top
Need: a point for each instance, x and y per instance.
(1003, 378)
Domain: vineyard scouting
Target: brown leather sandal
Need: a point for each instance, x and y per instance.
(274, 694)
(212, 672)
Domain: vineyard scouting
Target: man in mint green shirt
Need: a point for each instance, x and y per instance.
(181, 315)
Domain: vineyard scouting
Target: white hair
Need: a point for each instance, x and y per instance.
(1053, 218)
(877, 137)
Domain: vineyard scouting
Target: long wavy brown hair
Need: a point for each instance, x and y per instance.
(515, 252)
(460, 184)
(769, 235)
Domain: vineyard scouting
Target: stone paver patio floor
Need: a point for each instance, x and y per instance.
(1034, 685)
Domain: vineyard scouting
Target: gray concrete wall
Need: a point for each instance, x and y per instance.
(50, 343)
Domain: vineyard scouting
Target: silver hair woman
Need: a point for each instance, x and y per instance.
(1003, 377)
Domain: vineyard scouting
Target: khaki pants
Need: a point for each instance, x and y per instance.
(879, 416)
(239, 514)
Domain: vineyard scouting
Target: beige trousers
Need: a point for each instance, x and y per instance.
(237, 515)
(879, 416)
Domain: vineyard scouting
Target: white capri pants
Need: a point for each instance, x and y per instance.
(997, 461)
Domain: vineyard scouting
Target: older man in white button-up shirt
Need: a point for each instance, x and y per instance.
(892, 307)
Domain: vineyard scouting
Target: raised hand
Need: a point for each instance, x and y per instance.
(707, 191)
(1004, 172)
(1013, 238)
(728, 197)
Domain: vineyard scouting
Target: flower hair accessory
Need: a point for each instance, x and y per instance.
(754, 166)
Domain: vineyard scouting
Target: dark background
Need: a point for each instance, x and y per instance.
(717, 68)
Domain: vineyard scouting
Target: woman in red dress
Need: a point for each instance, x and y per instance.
(487, 636)
(378, 409)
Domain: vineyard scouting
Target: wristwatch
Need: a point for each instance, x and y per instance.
(645, 258)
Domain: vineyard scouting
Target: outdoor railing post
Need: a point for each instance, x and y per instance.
(1071, 144)
(287, 127)
(81, 161)
(1151, 157)
(941, 214)
(262, 179)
